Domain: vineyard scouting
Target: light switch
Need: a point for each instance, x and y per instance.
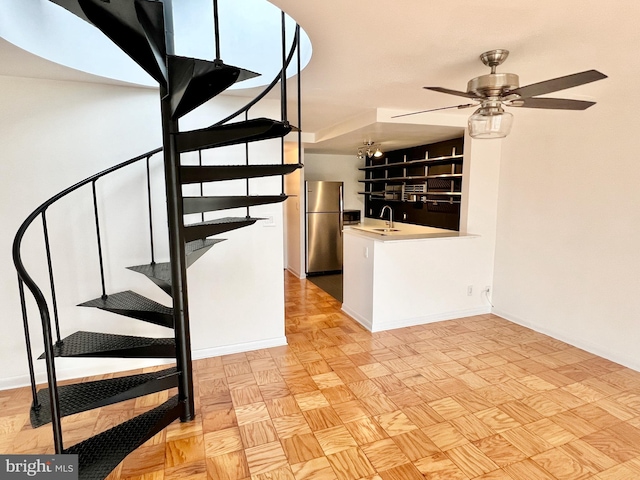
(269, 221)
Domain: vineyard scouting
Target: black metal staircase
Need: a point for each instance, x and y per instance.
(139, 28)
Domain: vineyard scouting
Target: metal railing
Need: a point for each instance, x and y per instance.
(25, 279)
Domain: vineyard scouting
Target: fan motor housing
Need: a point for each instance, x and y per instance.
(493, 84)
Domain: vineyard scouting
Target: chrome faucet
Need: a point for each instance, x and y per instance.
(390, 215)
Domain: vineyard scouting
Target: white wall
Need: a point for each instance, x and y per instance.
(57, 133)
(338, 168)
(568, 253)
(294, 215)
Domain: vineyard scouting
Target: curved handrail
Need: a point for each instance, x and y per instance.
(17, 259)
(269, 87)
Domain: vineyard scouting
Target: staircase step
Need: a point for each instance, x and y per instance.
(73, 6)
(193, 81)
(196, 174)
(136, 26)
(100, 454)
(81, 397)
(160, 273)
(232, 134)
(196, 248)
(214, 227)
(94, 344)
(209, 204)
(131, 304)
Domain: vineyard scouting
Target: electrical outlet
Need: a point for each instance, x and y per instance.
(487, 289)
(470, 290)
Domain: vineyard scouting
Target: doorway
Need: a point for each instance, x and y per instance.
(331, 283)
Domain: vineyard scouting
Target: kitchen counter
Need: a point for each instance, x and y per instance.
(411, 276)
(380, 231)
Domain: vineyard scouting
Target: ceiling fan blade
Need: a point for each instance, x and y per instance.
(552, 103)
(467, 105)
(559, 83)
(451, 92)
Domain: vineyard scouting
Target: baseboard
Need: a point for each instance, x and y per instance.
(633, 363)
(297, 274)
(238, 348)
(436, 317)
(361, 320)
(82, 372)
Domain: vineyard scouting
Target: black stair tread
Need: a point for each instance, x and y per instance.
(225, 220)
(232, 134)
(213, 173)
(194, 81)
(197, 248)
(209, 204)
(195, 245)
(160, 273)
(81, 397)
(134, 305)
(127, 300)
(73, 6)
(214, 227)
(94, 344)
(100, 454)
(136, 26)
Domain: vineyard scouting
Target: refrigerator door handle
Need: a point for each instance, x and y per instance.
(341, 226)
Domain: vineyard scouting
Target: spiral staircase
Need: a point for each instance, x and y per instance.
(139, 28)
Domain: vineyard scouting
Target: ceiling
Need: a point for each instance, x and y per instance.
(372, 56)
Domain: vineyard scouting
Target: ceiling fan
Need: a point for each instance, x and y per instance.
(496, 90)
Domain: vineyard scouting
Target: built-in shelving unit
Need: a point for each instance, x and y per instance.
(425, 189)
(411, 163)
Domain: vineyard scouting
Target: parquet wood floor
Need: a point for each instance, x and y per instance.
(470, 399)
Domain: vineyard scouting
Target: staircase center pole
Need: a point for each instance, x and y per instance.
(176, 240)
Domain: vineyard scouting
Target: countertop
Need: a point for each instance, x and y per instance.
(369, 227)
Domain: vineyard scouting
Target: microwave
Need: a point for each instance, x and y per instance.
(351, 217)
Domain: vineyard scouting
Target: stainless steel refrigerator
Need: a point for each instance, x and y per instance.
(324, 209)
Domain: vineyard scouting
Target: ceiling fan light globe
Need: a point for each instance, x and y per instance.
(378, 153)
(493, 125)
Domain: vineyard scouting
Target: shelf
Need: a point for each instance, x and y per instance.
(425, 201)
(445, 175)
(382, 194)
(413, 163)
(404, 179)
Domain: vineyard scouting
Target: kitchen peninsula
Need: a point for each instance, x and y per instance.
(411, 275)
